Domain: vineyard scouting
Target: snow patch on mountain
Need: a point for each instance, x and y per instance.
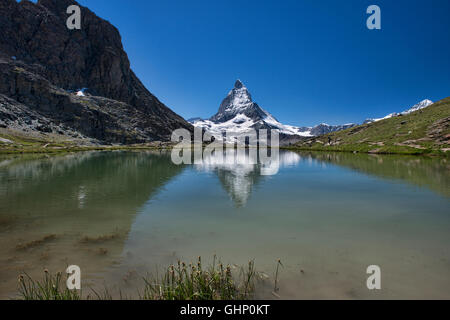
(421, 105)
(287, 129)
(242, 123)
(81, 92)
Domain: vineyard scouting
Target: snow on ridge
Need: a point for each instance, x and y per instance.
(421, 105)
(284, 128)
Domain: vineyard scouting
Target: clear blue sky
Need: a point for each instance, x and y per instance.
(306, 62)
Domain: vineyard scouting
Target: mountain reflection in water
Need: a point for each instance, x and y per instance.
(238, 172)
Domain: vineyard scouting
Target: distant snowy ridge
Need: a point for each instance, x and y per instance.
(421, 105)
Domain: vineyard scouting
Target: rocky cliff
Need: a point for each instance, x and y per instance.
(44, 65)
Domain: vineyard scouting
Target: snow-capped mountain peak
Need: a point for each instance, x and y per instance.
(238, 97)
(238, 113)
(238, 101)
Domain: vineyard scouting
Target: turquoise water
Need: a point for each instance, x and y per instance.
(326, 216)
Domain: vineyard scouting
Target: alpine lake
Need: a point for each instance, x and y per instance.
(327, 217)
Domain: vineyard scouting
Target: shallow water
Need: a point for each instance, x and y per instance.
(119, 215)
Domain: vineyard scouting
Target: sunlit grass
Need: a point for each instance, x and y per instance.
(51, 287)
(193, 282)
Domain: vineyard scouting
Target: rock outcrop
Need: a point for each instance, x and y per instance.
(43, 65)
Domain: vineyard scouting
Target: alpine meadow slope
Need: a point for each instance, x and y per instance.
(424, 131)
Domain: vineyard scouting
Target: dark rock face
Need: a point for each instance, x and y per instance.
(42, 63)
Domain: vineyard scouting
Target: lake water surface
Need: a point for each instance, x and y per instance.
(327, 216)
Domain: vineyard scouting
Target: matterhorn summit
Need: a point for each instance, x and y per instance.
(238, 113)
(238, 102)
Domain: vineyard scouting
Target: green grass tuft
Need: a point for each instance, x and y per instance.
(192, 282)
(51, 287)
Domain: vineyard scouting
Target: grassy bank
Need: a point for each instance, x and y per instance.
(358, 148)
(16, 144)
(179, 282)
(71, 149)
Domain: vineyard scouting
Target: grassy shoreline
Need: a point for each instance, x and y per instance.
(347, 149)
(22, 145)
(15, 143)
(76, 149)
(358, 149)
(180, 281)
